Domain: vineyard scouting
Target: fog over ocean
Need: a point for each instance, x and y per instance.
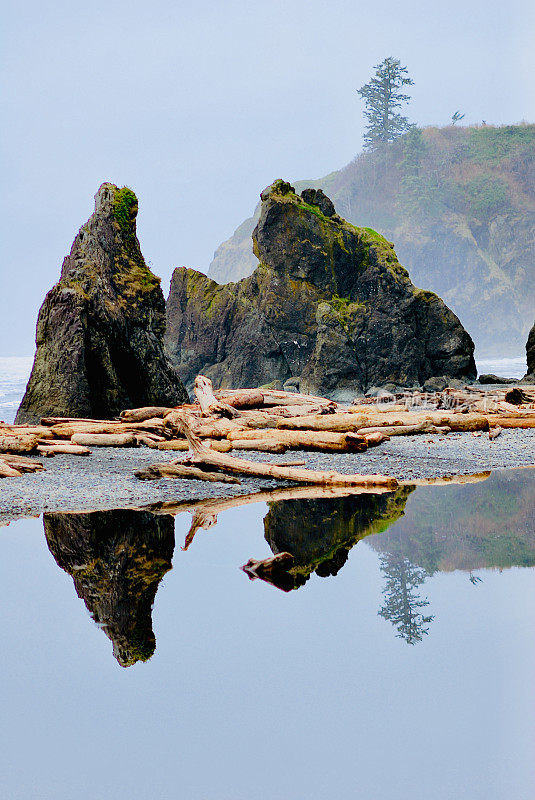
(15, 371)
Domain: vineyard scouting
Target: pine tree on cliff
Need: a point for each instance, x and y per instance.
(382, 96)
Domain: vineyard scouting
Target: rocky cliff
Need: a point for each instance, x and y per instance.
(459, 204)
(530, 353)
(329, 304)
(100, 329)
(117, 560)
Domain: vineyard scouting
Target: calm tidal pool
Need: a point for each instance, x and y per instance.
(396, 660)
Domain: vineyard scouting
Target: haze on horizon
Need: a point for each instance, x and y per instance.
(198, 109)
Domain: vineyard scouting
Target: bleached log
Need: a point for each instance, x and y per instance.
(18, 443)
(8, 472)
(512, 422)
(18, 430)
(68, 429)
(352, 422)
(66, 448)
(143, 414)
(206, 456)
(405, 430)
(306, 440)
(209, 403)
(260, 445)
(181, 445)
(242, 398)
(22, 463)
(104, 439)
(156, 471)
(376, 437)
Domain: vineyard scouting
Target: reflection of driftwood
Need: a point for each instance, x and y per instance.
(448, 480)
(202, 455)
(274, 570)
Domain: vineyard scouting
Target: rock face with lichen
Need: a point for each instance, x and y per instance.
(117, 560)
(329, 304)
(100, 329)
(530, 354)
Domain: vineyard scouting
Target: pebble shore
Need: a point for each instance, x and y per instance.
(106, 480)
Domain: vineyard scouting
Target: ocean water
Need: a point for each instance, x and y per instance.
(14, 374)
(15, 371)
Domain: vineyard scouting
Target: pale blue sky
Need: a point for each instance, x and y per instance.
(197, 108)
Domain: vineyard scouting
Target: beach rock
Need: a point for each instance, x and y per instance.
(436, 384)
(495, 379)
(100, 329)
(329, 302)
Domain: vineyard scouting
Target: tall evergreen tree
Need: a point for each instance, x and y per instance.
(382, 96)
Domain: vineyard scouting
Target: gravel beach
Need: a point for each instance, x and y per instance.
(106, 480)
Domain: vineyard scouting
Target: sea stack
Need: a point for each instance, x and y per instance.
(100, 329)
(530, 355)
(329, 306)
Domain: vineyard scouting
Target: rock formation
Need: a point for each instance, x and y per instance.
(329, 304)
(459, 203)
(530, 354)
(100, 329)
(117, 560)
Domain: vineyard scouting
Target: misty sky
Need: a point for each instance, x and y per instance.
(198, 107)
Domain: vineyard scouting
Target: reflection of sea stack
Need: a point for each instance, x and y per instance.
(117, 559)
(320, 533)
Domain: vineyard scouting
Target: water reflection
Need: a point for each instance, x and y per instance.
(487, 524)
(117, 560)
(319, 533)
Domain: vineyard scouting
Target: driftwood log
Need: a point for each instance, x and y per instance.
(210, 405)
(306, 440)
(18, 443)
(204, 456)
(104, 439)
(156, 471)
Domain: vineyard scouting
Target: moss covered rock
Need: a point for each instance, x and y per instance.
(100, 329)
(530, 353)
(459, 202)
(329, 302)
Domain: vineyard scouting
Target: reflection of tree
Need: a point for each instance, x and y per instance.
(402, 603)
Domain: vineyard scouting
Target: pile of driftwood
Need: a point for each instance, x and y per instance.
(248, 420)
(266, 421)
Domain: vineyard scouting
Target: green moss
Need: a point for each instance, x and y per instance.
(125, 208)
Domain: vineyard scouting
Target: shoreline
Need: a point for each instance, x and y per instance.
(105, 479)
